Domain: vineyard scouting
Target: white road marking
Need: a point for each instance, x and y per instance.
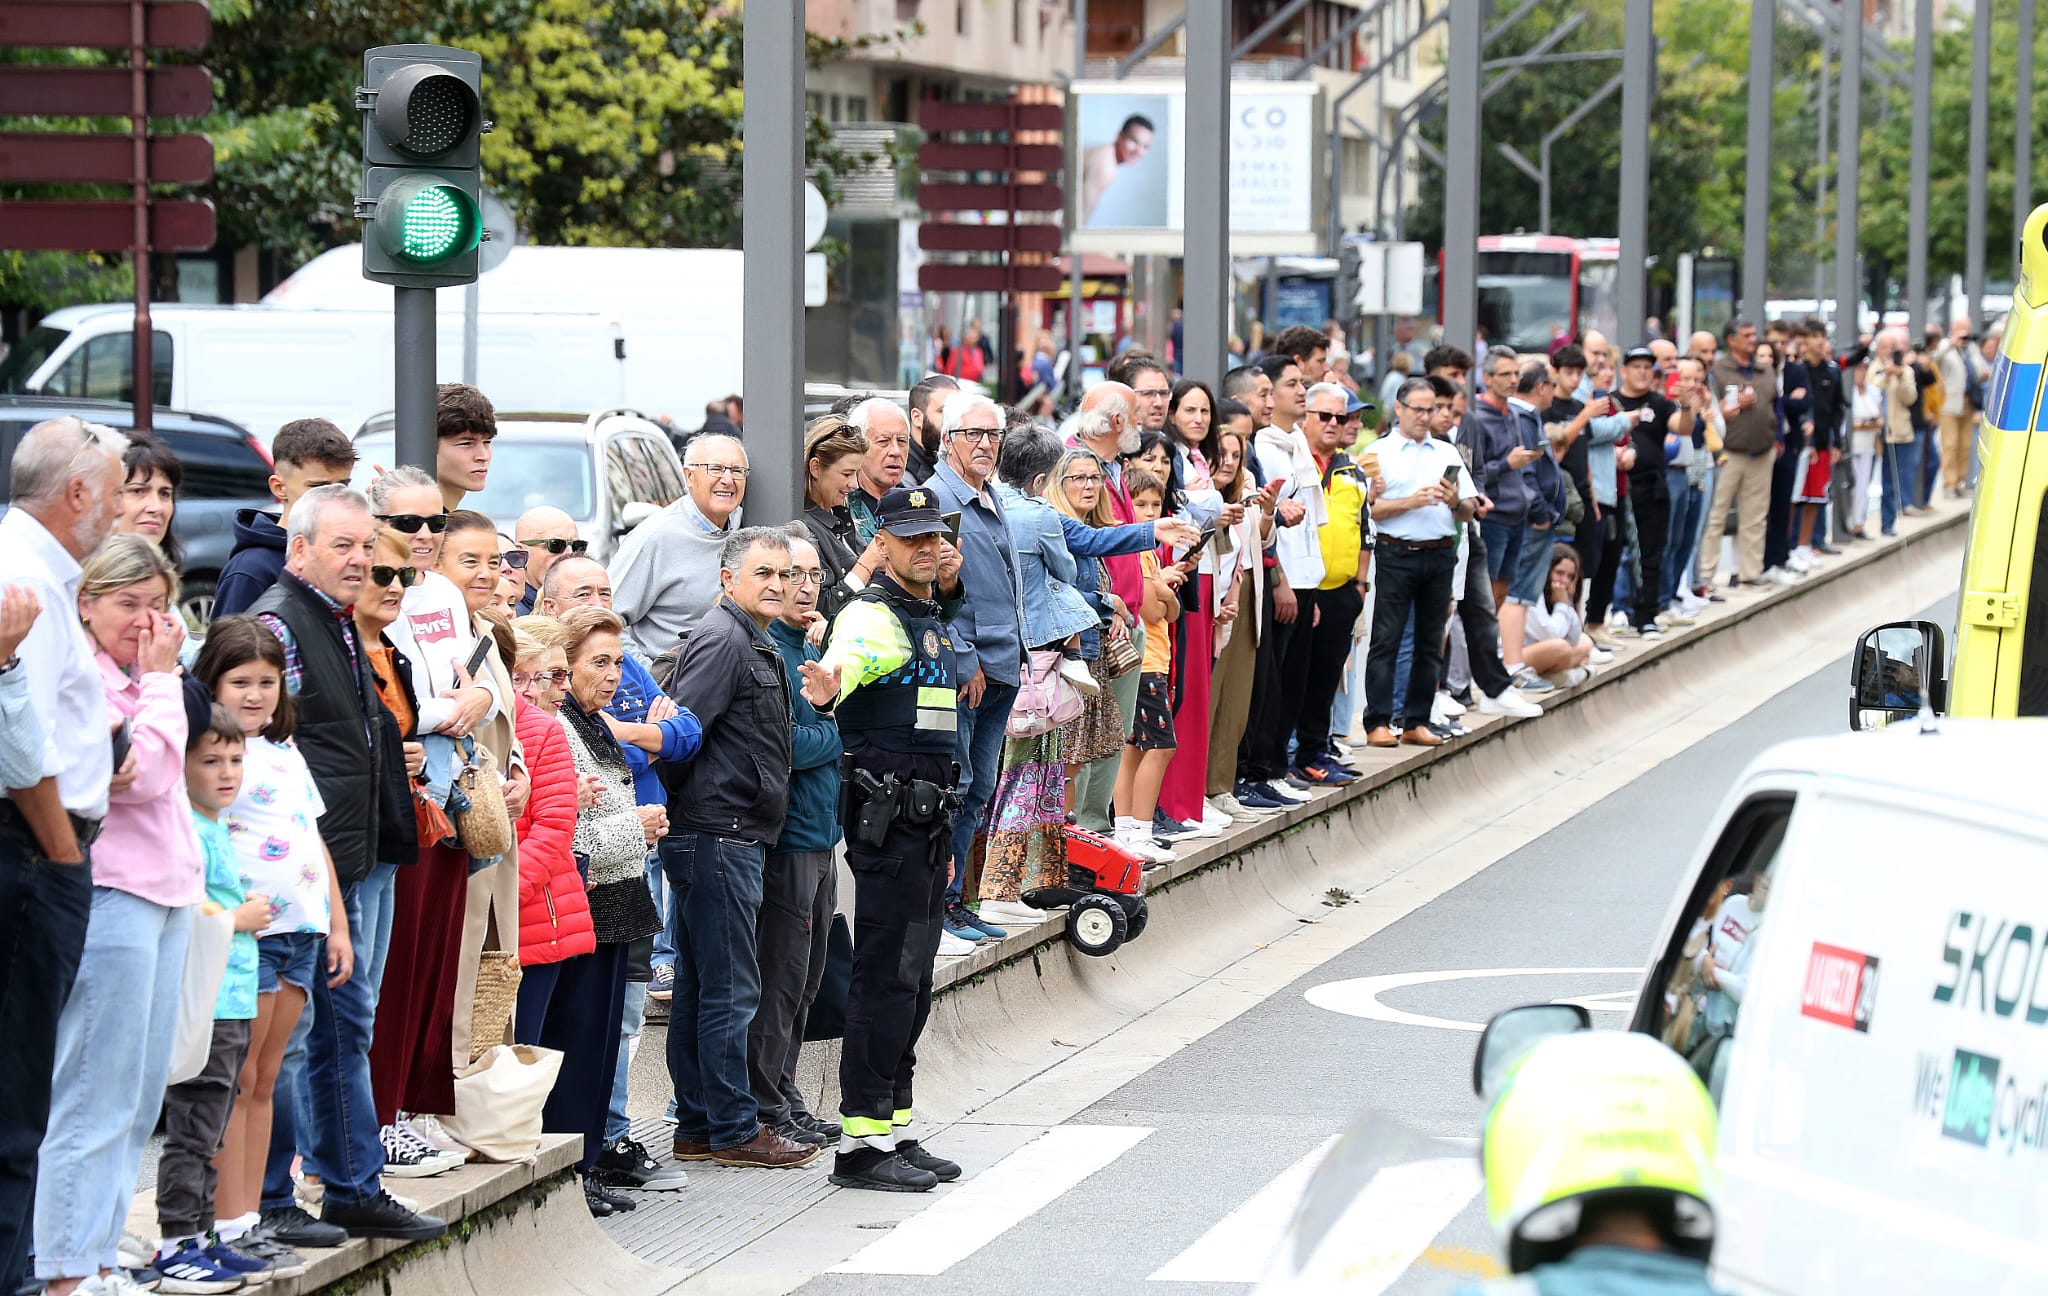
(1387, 1227)
(1360, 996)
(1238, 1247)
(967, 1218)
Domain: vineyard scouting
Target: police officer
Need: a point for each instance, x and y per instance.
(887, 675)
(1599, 1159)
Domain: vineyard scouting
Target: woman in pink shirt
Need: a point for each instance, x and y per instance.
(114, 1038)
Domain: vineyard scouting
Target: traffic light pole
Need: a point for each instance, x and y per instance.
(412, 330)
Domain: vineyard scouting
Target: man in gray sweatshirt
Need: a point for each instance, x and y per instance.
(665, 575)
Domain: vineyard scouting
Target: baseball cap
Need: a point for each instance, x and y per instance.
(910, 511)
(1355, 404)
(1639, 353)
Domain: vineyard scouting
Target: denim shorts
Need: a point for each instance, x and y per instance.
(1519, 555)
(289, 957)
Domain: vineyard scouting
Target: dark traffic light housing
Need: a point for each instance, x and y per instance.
(422, 196)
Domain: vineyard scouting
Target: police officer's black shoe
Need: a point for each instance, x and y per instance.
(881, 1172)
(945, 1171)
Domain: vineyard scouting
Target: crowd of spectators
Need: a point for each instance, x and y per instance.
(417, 761)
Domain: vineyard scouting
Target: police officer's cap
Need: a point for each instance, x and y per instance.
(910, 511)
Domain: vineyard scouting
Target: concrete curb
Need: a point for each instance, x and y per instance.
(1218, 901)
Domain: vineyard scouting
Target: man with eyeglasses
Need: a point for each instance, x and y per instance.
(1150, 386)
(1425, 496)
(546, 533)
(988, 635)
(725, 809)
(665, 575)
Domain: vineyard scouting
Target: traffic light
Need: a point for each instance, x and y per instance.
(421, 202)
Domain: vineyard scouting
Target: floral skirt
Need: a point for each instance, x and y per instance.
(1099, 730)
(1025, 848)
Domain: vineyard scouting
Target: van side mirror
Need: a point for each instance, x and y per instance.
(1513, 1032)
(635, 512)
(1897, 667)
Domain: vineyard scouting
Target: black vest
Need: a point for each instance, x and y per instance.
(336, 706)
(914, 707)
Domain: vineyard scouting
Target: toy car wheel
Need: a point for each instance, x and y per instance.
(1096, 925)
(1134, 922)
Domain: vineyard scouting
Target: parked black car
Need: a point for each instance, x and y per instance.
(225, 469)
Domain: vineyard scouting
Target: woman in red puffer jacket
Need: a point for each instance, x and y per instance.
(554, 907)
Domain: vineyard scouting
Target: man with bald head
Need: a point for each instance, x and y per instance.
(65, 483)
(546, 533)
(665, 576)
(1599, 365)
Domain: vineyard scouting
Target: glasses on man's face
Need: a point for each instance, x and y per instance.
(558, 547)
(987, 436)
(382, 576)
(527, 679)
(1322, 416)
(806, 576)
(1424, 410)
(1155, 393)
(410, 523)
(722, 470)
(515, 559)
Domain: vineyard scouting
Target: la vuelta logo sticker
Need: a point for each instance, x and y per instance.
(1841, 987)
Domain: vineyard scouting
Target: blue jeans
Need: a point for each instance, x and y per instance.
(1404, 664)
(323, 1108)
(717, 886)
(657, 886)
(1897, 465)
(979, 749)
(1687, 505)
(616, 1126)
(1928, 443)
(113, 1057)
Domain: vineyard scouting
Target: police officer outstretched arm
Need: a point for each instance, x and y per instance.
(888, 676)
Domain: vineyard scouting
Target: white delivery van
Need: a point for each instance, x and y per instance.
(671, 316)
(262, 367)
(1874, 1029)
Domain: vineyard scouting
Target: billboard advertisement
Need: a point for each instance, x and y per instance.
(1128, 154)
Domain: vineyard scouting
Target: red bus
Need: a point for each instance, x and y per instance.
(1531, 283)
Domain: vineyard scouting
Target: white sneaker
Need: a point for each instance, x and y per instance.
(1779, 576)
(1076, 672)
(1447, 705)
(951, 946)
(1508, 703)
(1214, 818)
(1600, 657)
(1012, 916)
(1804, 558)
(409, 1156)
(430, 1130)
(1570, 677)
(1668, 617)
(1282, 788)
(1236, 810)
(1200, 831)
(1137, 839)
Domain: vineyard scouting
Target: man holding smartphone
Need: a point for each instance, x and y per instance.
(1416, 557)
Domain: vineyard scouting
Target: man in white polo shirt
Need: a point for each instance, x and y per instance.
(64, 482)
(1425, 495)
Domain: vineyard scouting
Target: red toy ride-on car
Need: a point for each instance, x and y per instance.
(1102, 895)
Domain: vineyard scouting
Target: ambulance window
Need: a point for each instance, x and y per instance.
(2033, 699)
(1705, 972)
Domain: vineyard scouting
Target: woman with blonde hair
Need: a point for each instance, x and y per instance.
(833, 450)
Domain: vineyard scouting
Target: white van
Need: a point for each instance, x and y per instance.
(1875, 1030)
(558, 329)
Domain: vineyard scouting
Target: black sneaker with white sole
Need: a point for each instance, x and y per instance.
(880, 1172)
(294, 1228)
(626, 1164)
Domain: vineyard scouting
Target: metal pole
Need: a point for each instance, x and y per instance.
(469, 312)
(413, 370)
(1820, 192)
(772, 231)
(1848, 195)
(1460, 288)
(1074, 283)
(1916, 190)
(1756, 194)
(1638, 58)
(1205, 254)
(2023, 130)
(1573, 118)
(1980, 139)
(143, 375)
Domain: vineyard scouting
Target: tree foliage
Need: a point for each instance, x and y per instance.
(1698, 134)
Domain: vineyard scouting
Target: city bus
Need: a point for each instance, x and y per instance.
(1529, 284)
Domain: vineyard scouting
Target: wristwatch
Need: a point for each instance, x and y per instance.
(10, 664)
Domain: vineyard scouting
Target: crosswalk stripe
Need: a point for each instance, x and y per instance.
(1387, 1227)
(1237, 1247)
(968, 1217)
